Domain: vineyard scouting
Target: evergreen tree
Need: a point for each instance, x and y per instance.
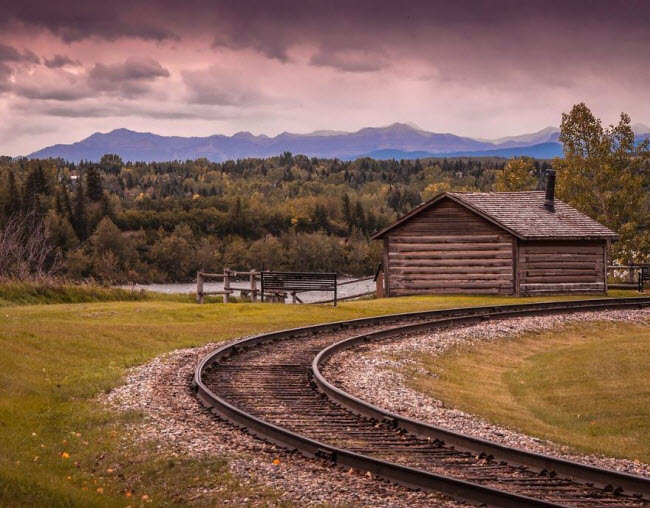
(13, 204)
(107, 209)
(65, 198)
(94, 188)
(347, 211)
(35, 186)
(80, 221)
(359, 216)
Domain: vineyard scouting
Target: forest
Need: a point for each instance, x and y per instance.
(115, 221)
(134, 222)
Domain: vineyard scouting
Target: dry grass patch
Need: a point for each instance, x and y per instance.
(586, 385)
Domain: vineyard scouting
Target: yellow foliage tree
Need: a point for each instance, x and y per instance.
(603, 174)
(432, 190)
(518, 175)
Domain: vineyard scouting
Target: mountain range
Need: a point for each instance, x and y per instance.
(399, 141)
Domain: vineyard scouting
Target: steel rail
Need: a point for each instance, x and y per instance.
(408, 476)
(584, 473)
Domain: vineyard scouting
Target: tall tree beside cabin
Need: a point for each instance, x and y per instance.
(605, 174)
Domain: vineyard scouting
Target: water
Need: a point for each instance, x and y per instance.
(355, 288)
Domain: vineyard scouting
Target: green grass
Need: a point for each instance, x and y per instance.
(32, 293)
(55, 359)
(585, 385)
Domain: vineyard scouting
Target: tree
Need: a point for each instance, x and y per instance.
(173, 254)
(13, 204)
(107, 237)
(26, 249)
(319, 218)
(433, 189)
(602, 175)
(518, 175)
(111, 163)
(35, 188)
(80, 221)
(94, 187)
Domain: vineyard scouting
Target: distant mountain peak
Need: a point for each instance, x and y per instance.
(397, 139)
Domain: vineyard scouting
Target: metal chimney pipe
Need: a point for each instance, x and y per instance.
(549, 202)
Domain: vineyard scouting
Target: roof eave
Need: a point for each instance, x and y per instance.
(613, 237)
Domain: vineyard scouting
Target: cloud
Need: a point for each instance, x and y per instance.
(50, 86)
(350, 60)
(129, 78)
(92, 109)
(5, 75)
(11, 54)
(58, 61)
(10, 59)
(75, 21)
(222, 87)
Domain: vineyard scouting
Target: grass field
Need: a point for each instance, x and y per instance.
(58, 449)
(586, 385)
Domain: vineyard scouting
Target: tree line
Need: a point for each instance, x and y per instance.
(117, 221)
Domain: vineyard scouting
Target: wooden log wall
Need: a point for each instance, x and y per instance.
(562, 267)
(448, 249)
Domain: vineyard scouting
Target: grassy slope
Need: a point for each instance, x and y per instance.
(586, 385)
(56, 358)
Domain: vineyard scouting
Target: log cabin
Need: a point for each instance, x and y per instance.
(507, 243)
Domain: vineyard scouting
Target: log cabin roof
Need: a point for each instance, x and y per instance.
(521, 214)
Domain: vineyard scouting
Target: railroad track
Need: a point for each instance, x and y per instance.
(272, 386)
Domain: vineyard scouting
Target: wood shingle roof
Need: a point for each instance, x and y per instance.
(522, 214)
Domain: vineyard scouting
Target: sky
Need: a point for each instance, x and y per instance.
(478, 68)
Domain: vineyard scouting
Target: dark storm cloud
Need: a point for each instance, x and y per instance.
(58, 61)
(11, 54)
(129, 78)
(273, 27)
(474, 39)
(74, 20)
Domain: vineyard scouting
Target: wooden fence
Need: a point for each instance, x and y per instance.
(628, 275)
(233, 280)
(228, 277)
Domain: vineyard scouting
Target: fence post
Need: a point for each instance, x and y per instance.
(226, 285)
(199, 287)
(379, 280)
(253, 286)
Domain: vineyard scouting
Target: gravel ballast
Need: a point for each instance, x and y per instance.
(181, 427)
(372, 372)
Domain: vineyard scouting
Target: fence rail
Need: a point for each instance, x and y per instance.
(630, 273)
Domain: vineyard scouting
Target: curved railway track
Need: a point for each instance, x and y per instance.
(271, 385)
